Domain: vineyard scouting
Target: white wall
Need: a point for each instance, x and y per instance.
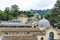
(51, 30)
(39, 37)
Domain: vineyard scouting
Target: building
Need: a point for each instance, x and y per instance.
(23, 18)
(29, 29)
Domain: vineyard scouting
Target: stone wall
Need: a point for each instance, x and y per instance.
(30, 37)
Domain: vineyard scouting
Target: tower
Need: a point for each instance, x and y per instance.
(23, 18)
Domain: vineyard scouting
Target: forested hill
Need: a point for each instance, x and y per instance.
(41, 11)
(12, 12)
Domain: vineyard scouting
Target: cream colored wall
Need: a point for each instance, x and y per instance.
(19, 18)
(39, 37)
(51, 30)
(56, 36)
(23, 19)
(34, 24)
(42, 28)
(59, 37)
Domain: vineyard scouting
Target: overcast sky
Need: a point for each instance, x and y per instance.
(28, 4)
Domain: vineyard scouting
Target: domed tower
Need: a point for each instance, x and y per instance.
(43, 23)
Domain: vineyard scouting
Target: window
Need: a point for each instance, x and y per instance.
(42, 38)
(28, 32)
(17, 32)
(34, 26)
(51, 36)
(6, 33)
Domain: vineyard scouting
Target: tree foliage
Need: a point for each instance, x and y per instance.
(12, 13)
(2, 15)
(54, 15)
(15, 10)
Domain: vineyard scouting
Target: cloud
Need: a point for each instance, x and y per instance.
(28, 4)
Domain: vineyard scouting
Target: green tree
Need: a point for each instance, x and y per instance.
(8, 12)
(54, 15)
(2, 15)
(15, 10)
(12, 13)
(28, 13)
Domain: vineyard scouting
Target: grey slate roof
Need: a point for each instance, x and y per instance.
(44, 23)
(13, 23)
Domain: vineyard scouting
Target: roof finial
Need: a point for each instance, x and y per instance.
(43, 17)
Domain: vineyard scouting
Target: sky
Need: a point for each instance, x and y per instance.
(28, 4)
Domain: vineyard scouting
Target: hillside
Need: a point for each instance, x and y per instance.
(41, 11)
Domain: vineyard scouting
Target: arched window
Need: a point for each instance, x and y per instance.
(6, 33)
(28, 32)
(42, 38)
(51, 36)
(34, 26)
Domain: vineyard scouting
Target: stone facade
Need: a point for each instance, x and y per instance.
(20, 33)
(28, 33)
(35, 30)
(23, 18)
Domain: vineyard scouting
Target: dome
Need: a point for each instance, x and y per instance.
(44, 23)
